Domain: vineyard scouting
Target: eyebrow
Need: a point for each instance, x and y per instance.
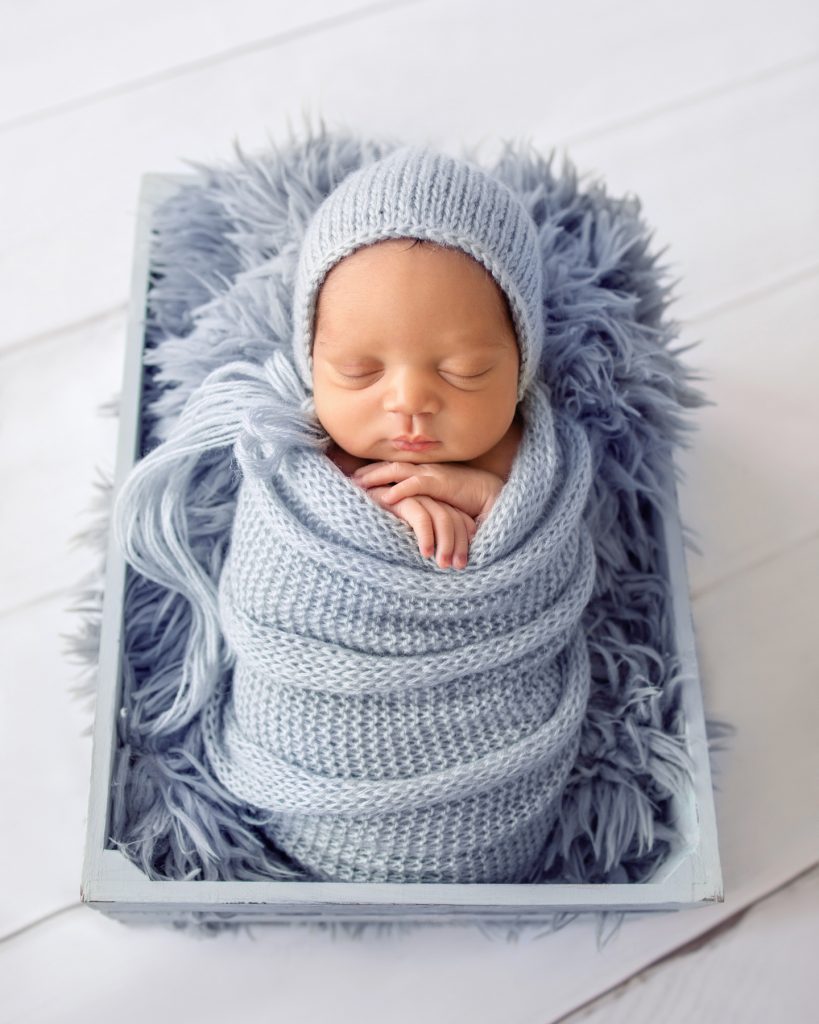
(484, 342)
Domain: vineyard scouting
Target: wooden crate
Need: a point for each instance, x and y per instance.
(690, 875)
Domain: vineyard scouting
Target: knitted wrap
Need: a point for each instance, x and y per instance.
(402, 722)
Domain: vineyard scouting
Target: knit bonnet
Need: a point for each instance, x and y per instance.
(415, 192)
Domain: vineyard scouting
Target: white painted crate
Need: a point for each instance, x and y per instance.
(690, 875)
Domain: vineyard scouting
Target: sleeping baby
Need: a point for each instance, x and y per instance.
(391, 670)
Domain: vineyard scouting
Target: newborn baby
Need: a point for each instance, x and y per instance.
(415, 375)
(392, 719)
(386, 718)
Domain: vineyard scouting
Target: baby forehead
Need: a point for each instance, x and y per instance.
(383, 252)
(408, 271)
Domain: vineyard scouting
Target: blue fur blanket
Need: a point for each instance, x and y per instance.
(223, 254)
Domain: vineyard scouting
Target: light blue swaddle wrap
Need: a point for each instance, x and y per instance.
(401, 722)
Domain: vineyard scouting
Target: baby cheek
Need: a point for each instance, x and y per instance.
(328, 412)
(343, 417)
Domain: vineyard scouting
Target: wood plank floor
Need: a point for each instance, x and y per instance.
(707, 112)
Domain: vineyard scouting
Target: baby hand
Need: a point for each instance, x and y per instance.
(439, 528)
(473, 491)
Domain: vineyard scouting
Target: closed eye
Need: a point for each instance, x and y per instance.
(465, 376)
(356, 376)
(449, 373)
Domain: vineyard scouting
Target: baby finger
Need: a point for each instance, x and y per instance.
(410, 487)
(382, 473)
(444, 527)
(418, 518)
(470, 525)
(461, 552)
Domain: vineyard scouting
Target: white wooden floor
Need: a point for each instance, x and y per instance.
(708, 111)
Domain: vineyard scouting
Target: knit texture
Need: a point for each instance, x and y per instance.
(415, 192)
(401, 722)
(224, 258)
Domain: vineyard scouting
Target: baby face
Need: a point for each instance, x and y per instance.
(415, 342)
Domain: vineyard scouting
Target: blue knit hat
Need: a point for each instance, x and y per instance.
(415, 192)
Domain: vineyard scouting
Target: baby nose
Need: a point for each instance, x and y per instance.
(410, 393)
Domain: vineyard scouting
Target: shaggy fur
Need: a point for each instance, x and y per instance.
(223, 258)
